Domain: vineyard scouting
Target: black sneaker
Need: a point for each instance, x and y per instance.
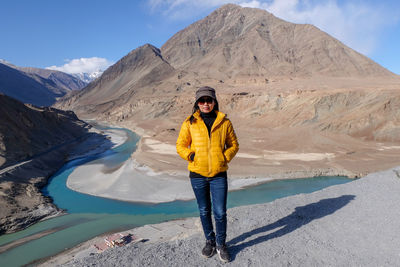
(223, 253)
(208, 249)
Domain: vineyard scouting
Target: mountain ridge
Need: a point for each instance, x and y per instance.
(64, 81)
(36, 86)
(277, 47)
(288, 89)
(140, 67)
(35, 142)
(216, 51)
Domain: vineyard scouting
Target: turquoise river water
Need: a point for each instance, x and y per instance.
(89, 216)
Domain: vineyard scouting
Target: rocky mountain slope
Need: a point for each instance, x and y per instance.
(142, 68)
(234, 42)
(271, 76)
(27, 130)
(36, 86)
(65, 82)
(34, 143)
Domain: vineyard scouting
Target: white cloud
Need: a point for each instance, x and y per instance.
(354, 22)
(85, 65)
(185, 9)
(171, 4)
(254, 4)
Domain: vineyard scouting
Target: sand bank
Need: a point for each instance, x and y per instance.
(134, 181)
(158, 147)
(130, 181)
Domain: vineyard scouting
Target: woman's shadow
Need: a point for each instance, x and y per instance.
(301, 216)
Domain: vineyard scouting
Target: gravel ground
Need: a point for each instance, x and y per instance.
(354, 224)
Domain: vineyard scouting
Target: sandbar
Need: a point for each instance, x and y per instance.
(131, 181)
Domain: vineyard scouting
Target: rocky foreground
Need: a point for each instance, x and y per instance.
(353, 224)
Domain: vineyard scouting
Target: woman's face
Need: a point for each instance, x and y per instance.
(206, 104)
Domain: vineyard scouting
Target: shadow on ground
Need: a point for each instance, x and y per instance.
(301, 216)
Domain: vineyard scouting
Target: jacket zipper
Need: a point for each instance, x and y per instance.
(209, 146)
(209, 155)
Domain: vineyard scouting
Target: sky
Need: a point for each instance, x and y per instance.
(86, 35)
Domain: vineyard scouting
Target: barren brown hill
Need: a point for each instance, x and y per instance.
(26, 130)
(136, 73)
(302, 102)
(234, 42)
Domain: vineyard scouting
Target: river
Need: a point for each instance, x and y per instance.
(89, 216)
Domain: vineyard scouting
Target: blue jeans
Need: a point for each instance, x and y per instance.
(218, 187)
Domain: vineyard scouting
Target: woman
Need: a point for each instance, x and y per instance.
(207, 140)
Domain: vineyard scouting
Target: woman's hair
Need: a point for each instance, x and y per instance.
(196, 108)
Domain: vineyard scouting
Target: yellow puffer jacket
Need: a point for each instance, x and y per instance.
(213, 153)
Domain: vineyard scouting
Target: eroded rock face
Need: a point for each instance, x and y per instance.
(34, 144)
(367, 114)
(23, 205)
(28, 130)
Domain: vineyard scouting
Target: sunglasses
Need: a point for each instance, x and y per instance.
(204, 100)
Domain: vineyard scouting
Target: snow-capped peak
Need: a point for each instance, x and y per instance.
(5, 62)
(88, 77)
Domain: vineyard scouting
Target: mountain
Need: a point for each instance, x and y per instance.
(34, 143)
(27, 130)
(17, 84)
(141, 68)
(286, 87)
(234, 41)
(36, 86)
(65, 82)
(88, 77)
(231, 47)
